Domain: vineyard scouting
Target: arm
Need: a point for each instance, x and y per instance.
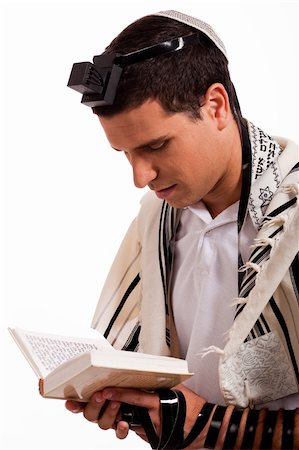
(223, 427)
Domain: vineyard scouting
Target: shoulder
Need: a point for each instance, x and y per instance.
(285, 143)
(288, 159)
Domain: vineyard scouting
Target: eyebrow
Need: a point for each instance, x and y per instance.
(148, 143)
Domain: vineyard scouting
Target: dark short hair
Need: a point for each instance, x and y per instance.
(177, 80)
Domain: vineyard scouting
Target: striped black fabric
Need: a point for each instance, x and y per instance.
(167, 230)
(121, 304)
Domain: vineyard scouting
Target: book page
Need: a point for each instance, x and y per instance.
(47, 351)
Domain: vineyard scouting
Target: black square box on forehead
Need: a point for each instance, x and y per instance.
(98, 81)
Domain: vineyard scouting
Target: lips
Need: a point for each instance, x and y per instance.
(164, 193)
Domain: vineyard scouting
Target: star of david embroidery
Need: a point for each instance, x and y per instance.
(266, 196)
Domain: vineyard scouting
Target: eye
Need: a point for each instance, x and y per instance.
(158, 146)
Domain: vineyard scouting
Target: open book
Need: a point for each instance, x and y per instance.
(75, 368)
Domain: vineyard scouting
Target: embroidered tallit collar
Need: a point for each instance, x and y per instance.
(266, 177)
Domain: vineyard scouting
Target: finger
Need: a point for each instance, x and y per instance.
(74, 407)
(107, 420)
(93, 407)
(137, 397)
(134, 397)
(122, 430)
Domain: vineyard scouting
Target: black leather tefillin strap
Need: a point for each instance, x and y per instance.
(215, 426)
(269, 425)
(200, 423)
(288, 429)
(249, 433)
(173, 415)
(232, 429)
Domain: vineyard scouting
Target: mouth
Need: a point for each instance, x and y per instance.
(164, 193)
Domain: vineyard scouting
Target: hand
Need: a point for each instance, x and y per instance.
(151, 401)
(110, 418)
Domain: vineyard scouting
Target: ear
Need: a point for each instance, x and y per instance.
(217, 105)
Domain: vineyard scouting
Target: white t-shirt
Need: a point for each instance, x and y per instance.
(205, 282)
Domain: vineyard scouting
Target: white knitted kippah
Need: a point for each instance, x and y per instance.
(195, 23)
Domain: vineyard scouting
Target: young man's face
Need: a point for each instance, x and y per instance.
(182, 160)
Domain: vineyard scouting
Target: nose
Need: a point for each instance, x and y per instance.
(143, 172)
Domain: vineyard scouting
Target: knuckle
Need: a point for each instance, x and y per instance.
(138, 397)
(94, 402)
(90, 415)
(108, 419)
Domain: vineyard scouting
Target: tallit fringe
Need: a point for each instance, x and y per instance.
(263, 242)
(238, 301)
(292, 189)
(278, 220)
(250, 265)
(212, 349)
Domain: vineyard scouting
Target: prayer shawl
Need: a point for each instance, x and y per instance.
(260, 359)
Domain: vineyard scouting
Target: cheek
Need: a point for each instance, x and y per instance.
(201, 172)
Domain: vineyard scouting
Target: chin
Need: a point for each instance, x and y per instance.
(179, 204)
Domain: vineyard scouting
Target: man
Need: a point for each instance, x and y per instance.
(220, 225)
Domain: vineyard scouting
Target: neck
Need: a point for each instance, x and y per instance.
(227, 190)
(215, 207)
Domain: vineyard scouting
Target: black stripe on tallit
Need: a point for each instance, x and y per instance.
(246, 173)
(165, 237)
(295, 168)
(132, 342)
(168, 337)
(281, 208)
(161, 246)
(239, 311)
(122, 303)
(294, 274)
(246, 185)
(263, 250)
(285, 330)
(258, 328)
(265, 323)
(249, 278)
(172, 224)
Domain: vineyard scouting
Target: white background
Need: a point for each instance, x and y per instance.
(67, 198)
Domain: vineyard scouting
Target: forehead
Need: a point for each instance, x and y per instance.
(146, 122)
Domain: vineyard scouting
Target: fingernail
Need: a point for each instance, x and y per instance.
(98, 397)
(72, 406)
(114, 405)
(108, 395)
(76, 409)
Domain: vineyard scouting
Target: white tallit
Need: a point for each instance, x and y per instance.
(261, 357)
